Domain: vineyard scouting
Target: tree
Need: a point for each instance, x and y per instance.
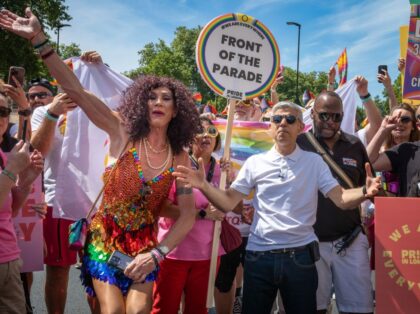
(19, 52)
(68, 51)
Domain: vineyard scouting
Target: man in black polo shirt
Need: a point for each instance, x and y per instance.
(349, 270)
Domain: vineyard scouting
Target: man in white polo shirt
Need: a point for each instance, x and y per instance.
(282, 246)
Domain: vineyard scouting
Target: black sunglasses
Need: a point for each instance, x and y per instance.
(278, 118)
(5, 112)
(41, 95)
(325, 116)
(405, 119)
(418, 117)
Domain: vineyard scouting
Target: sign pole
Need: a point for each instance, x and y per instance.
(218, 224)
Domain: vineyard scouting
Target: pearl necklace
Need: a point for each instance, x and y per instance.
(154, 150)
(165, 163)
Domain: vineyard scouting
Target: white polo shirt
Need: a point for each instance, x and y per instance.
(286, 196)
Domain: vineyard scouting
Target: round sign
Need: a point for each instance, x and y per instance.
(237, 56)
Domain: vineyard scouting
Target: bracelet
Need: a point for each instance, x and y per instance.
(365, 100)
(10, 175)
(51, 116)
(44, 48)
(159, 256)
(48, 54)
(365, 97)
(41, 44)
(155, 260)
(364, 191)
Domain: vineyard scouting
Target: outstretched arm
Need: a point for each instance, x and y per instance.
(351, 198)
(225, 200)
(29, 27)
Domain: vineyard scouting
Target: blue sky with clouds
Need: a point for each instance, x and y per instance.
(369, 29)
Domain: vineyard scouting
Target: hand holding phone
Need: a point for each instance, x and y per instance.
(119, 260)
(18, 73)
(381, 70)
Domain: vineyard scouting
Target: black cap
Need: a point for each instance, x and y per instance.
(42, 82)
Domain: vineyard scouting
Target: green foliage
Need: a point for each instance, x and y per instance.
(17, 51)
(68, 51)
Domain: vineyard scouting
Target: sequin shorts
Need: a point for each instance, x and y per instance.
(92, 269)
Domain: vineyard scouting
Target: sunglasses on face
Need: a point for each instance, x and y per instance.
(418, 118)
(278, 118)
(41, 95)
(211, 131)
(5, 112)
(405, 119)
(325, 116)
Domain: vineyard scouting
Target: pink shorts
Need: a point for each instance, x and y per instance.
(56, 236)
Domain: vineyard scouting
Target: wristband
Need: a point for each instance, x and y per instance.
(365, 97)
(25, 112)
(51, 116)
(48, 54)
(365, 100)
(155, 260)
(10, 175)
(37, 47)
(364, 191)
(30, 39)
(158, 255)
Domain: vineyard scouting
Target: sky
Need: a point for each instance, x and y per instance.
(369, 29)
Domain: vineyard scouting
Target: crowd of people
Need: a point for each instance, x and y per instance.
(162, 194)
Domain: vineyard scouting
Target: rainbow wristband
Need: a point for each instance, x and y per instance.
(10, 175)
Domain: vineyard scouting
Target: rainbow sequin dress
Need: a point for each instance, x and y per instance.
(126, 221)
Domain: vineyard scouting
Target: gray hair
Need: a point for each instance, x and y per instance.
(288, 105)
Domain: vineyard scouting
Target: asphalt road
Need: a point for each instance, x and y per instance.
(76, 300)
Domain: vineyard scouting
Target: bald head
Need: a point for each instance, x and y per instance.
(328, 100)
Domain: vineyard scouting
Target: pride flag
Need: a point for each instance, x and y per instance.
(248, 138)
(342, 65)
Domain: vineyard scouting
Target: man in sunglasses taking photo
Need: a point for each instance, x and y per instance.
(282, 247)
(343, 264)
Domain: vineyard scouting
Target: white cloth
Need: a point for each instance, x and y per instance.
(52, 159)
(350, 275)
(85, 146)
(350, 99)
(286, 196)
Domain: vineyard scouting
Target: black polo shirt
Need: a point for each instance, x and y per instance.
(405, 160)
(349, 153)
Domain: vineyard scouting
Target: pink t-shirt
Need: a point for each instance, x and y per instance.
(197, 244)
(9, 250)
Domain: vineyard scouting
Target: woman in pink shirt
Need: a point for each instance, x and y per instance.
(186, 268)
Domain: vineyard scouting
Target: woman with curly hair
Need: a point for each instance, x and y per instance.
(155, 121)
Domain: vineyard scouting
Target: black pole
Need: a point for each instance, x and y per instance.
(58, 39)
(297, 67)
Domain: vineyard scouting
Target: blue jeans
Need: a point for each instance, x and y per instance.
(293, 273)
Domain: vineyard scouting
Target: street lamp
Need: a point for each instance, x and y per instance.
(60, 26)
(297, 100)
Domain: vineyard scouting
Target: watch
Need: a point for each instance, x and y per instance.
(25, 112)
(163, 249)
(202, 213)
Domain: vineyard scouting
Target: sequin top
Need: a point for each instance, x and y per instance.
(127, 218)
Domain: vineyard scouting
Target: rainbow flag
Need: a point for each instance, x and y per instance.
(248, 138)
(342, 65)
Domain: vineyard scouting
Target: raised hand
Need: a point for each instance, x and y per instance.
(401, 64)
(92, 57)
(27, 27)
(331, 75)
(17, 94)
(384, 78)
(390, 122)
(373, 185)
(362, 85)
(191, 177)
(18, 159)
(61, 104)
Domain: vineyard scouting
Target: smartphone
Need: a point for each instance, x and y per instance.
(381, 69)
(119, 260)
(18, 73)
(24, 129)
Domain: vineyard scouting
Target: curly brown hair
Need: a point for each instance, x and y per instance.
(134, 111)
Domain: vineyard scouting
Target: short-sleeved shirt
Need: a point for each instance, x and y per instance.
(405, 161)
(350, 155)
(52, 159)
(285, 199)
